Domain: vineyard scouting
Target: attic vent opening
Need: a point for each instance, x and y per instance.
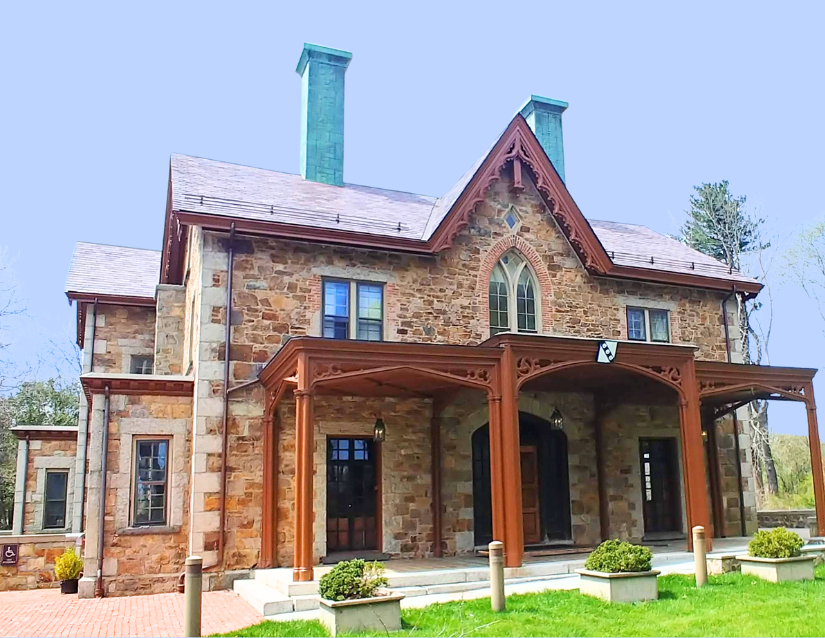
(512, 218)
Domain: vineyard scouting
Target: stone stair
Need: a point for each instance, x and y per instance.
(272, 591)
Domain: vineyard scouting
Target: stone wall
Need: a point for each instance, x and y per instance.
(442, 298)
(622, 426)
(137, 559)
(35, 564)
(794, 519)
(47, 455)
(729, 480)
(120, 333)
(169, 329)
(405, 470)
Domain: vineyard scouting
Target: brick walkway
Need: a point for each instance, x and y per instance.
(45, 612)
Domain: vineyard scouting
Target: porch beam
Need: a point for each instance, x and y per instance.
(693, 457)
(816, 459)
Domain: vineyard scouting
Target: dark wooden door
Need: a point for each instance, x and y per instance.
(659, 466)
(531, 513)
(352, 482)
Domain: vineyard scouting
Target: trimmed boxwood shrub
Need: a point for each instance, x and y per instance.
(615, 556)
(777, 543)
(352, 579)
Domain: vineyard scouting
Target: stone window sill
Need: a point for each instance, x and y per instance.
(149, 530)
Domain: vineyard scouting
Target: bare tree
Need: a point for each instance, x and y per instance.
(803, 263)
(11, 305)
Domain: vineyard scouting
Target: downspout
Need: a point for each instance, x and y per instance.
(104, 456)
(225, 416)
(83, 435)
(740, 484)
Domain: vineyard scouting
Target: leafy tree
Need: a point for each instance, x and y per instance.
(50, 402)
(718, 225)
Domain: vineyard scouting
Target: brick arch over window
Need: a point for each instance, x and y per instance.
(536, 264)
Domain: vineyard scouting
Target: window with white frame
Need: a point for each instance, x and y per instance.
(513, 296)
(648, 324)
(151, 480)
(353, 310)
(141, 364)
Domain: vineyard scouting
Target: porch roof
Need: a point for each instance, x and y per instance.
(390, 368)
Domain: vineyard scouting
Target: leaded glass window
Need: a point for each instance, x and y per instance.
(513, 293)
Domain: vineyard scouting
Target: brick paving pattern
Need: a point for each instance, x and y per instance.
(45, 612)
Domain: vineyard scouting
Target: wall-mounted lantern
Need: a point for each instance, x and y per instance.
(557, 420)
(379, 432)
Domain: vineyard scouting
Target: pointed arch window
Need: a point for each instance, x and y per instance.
(513, 296)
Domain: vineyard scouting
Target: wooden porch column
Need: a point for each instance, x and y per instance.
(511, 462)
(496, 471)
(816, 460)
(693, 455)
(435, 476)
(304, 447)
(269, 508)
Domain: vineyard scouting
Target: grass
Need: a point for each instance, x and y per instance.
(731, 605)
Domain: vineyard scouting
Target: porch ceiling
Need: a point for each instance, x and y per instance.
(727, 383)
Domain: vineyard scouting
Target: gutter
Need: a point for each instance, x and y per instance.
(104, 456)
(225, 415)
(739, 481)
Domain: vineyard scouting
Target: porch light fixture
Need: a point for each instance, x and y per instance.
(379, 432)
(557, 420)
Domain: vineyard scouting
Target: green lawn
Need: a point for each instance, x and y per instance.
(731, 605)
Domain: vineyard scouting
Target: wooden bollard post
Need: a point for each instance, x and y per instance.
(699, 557)
(497, 600)
(192, 602)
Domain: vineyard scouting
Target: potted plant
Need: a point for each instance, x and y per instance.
(776, 556)
(619, 572)
(67, 568)
(352, 599)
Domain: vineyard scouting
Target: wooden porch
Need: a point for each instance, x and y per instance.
(499, 368)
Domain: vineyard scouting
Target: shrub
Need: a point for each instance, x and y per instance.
(617, 556)
(68, 565)
(777, 543)
(351, 579)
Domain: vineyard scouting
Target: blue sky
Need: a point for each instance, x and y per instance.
(96, 96)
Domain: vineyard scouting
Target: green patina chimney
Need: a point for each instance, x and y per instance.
(544, 117)
(322, 113)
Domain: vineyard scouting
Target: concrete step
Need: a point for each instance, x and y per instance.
(264, 599)
(282, 581)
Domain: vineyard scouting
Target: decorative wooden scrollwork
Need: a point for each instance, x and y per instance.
(479, 374)
(671, 374)
(327, 371)
(531, 366)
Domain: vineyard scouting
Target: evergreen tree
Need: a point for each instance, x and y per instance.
(718, 225)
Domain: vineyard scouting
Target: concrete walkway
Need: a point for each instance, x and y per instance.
(45, 612)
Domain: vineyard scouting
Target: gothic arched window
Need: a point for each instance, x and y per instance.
(513, 294)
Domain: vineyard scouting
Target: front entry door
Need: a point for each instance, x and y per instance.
(530, 494)
(659, 465)
(351, 495)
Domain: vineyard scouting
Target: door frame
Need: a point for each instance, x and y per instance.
(678, 478)
(379, 491)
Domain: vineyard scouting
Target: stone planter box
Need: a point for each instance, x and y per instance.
(622, 587)
(382, 613)
(722, 563)
(778, 570)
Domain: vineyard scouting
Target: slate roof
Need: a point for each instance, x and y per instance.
(230, 190)
(640, 247)
(115, 271)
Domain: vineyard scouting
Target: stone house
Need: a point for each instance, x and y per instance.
(310, 370)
